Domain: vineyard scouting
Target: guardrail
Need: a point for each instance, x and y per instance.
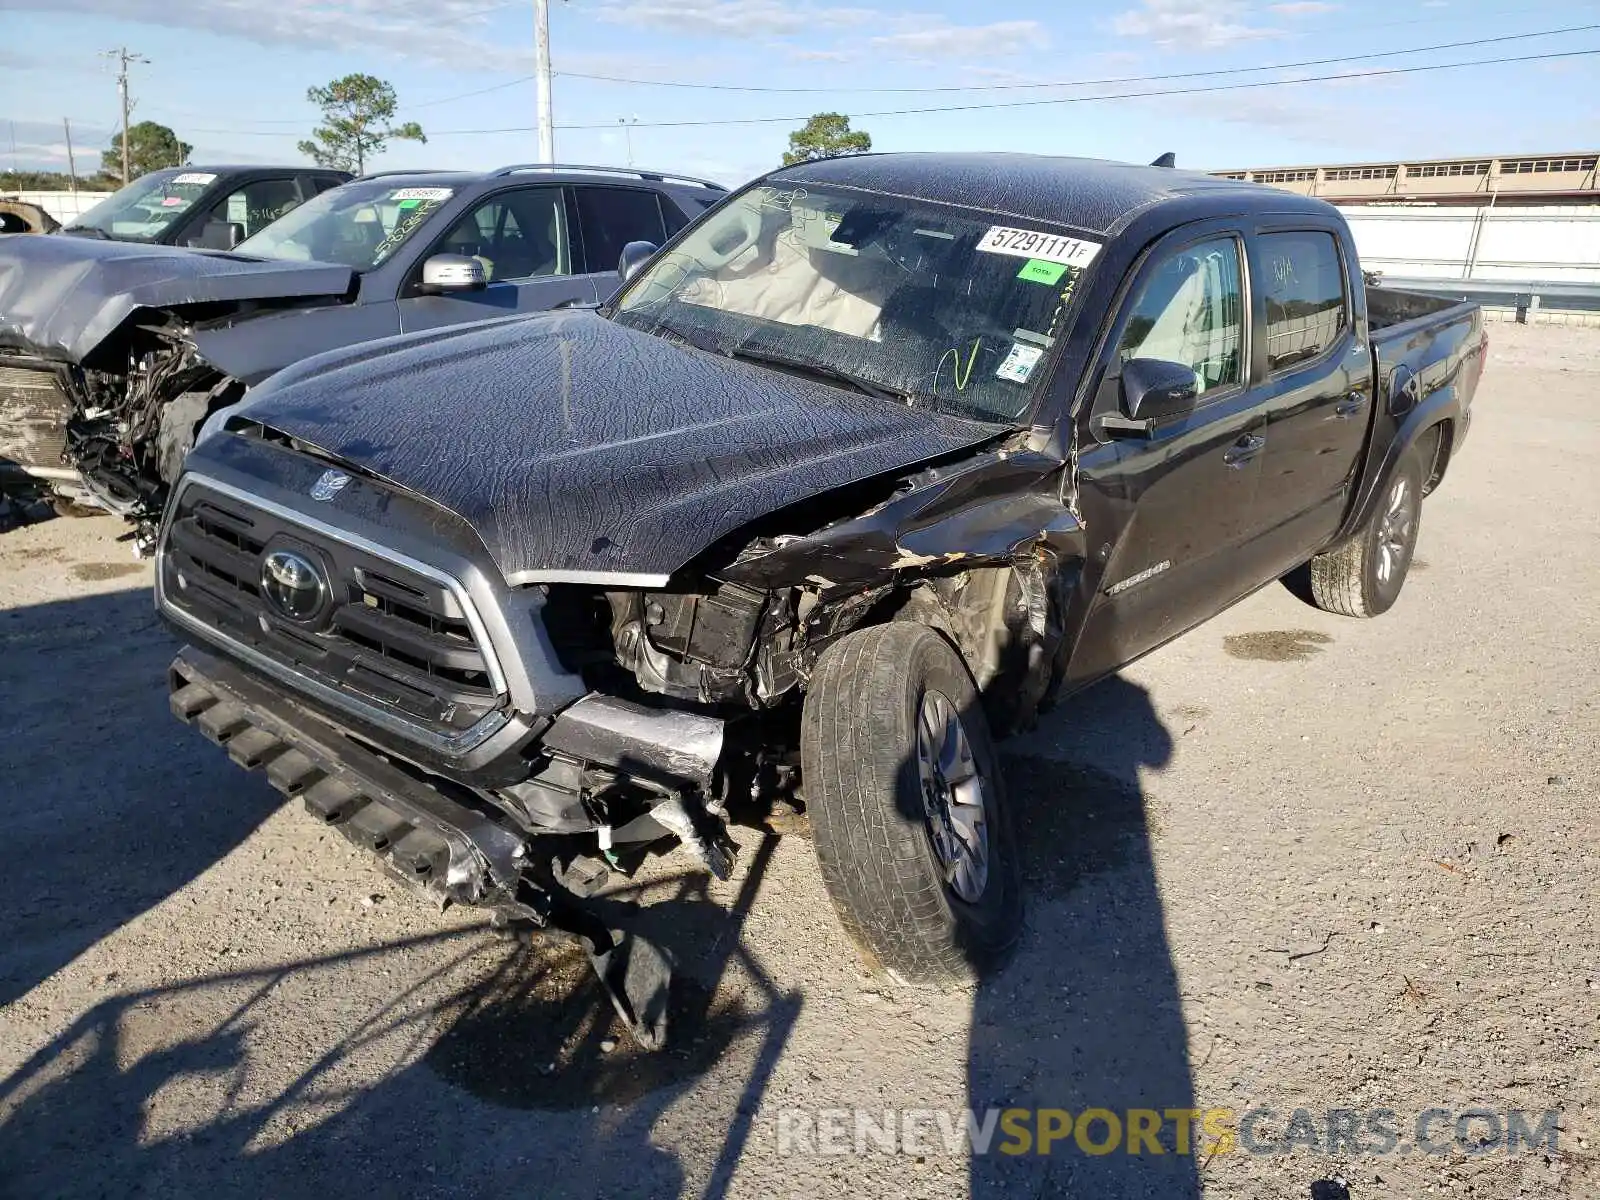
(1527, 297)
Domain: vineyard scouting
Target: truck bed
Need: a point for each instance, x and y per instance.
(1387, 307)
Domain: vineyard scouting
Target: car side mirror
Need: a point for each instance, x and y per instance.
(217, 235)
(633, 257)
(1153, 390)
(453, 273)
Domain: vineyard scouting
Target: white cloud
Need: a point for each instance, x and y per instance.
(1304, 8)
(905, 34)
(1206, 24)
(939, 40)
(434, 30)
(730, 18)
(800, 54)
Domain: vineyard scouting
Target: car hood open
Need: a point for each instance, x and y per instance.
(580, 449)
(62, 296)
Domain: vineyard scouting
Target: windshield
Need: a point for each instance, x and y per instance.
(943, 307)
(359, 225)
(142, 211)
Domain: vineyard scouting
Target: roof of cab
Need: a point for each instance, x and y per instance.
(1085, 193)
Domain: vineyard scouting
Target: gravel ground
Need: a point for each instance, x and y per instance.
(1289, 861)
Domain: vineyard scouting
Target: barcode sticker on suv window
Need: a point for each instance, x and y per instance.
(199, 177)
(1030, 243)
(421, 193)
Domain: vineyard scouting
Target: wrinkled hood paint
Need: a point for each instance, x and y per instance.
(581, 449)
(61, 297)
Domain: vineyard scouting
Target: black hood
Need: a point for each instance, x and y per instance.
(579, 448)
(61, 296)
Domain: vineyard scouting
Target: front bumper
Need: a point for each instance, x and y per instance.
(430, 840)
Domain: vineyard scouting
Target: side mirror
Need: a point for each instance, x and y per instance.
(1153, 390)
(453, 273)
(217, 235)
(633, 257)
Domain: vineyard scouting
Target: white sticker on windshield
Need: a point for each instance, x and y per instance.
(1030, 243)
(422, 194)
(1019, 364)
(200, 177)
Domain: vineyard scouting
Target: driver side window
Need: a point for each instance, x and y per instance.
(1191, 311)
(519, 234)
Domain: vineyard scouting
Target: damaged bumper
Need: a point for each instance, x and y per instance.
(432, 841)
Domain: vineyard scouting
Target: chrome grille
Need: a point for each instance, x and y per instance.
(389, 635)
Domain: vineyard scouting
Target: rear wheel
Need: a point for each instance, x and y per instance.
(907, 806)
(1363, 577)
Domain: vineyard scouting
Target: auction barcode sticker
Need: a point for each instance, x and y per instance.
(422, 193)
(1030, 243)
(200, 177)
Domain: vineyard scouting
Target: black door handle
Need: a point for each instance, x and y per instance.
(1242, 451)
(1350, 405)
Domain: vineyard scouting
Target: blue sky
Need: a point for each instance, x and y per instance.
(230, 76)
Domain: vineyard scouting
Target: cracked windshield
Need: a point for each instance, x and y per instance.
(935, 307)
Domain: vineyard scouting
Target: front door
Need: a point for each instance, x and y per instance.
(1170, 517)
(521, 237)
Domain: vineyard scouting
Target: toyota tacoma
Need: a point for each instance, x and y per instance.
(847, 480)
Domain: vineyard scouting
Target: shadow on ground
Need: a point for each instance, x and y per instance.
(195, 1089)
(1086, 1015)
(285, 1080)
(114, 803)
(173, 1091)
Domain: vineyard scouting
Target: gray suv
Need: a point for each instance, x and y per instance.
(125, 349)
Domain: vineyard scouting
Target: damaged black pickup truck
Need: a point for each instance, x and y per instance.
(854, 475)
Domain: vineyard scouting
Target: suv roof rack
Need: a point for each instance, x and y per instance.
(405, 171)
(653, 176)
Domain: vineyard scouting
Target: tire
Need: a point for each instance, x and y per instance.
(1363, 577)
(862, 773)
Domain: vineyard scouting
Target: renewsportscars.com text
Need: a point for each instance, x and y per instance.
(1205, 1132)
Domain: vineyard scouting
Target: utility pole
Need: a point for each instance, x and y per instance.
(541, 66)
(123, 58)
(72, 165)
(627, 124)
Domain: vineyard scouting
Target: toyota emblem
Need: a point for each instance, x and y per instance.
(293, 584)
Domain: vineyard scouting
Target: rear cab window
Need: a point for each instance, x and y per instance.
(1302, 281)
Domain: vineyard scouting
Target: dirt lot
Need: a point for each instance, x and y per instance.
(1289, 861)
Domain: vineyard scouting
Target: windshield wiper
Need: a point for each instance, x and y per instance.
(866, 387)
(89, 230)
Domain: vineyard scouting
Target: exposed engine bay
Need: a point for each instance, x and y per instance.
(129, 431)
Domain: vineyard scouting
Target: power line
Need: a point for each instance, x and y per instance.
(1000, 104)
(986, 87)
(1219, 87)
(1004, 87)
(499, 87)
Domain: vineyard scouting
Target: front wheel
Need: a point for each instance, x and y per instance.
(1363, 577)
(907, 807)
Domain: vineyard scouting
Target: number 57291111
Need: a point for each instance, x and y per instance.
(1030, 243)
